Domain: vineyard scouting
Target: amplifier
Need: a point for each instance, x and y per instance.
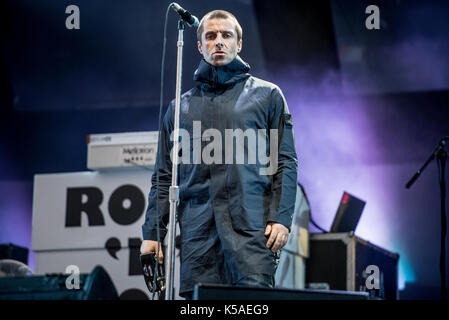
(11, 251)
(122, 150)
(343, 261)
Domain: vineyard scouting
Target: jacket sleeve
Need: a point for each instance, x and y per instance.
(284, 180)
(159, 210)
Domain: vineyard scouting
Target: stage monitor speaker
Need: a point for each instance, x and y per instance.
(94, 286)
(205, 291)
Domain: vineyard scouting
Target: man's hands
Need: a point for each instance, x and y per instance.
(278, 236)
(148, 246)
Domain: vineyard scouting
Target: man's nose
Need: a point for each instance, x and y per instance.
(219, 41)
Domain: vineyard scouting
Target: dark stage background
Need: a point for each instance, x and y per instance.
(368, 105)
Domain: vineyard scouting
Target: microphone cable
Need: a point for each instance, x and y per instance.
(161, 102)
(316, 225)
(310, 210)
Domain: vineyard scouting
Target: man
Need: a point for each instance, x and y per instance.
(234, 217)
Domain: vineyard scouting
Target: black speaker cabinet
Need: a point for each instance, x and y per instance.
(13, 252)
(343, 261)
(94, 286)
(204, 291)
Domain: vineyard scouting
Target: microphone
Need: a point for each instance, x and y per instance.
(191, 20)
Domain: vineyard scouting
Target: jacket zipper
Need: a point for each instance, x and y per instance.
(215, 76)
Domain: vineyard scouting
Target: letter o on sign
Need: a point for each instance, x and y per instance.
(126, 214)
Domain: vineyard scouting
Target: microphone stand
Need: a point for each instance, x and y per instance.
(174, 189)
(441, 155)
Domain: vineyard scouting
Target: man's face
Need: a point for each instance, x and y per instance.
(219, 45)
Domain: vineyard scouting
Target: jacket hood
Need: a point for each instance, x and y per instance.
(221, 76)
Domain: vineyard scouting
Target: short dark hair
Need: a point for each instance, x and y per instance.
(219, 14)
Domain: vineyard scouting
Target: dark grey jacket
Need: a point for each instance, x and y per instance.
(225, 206)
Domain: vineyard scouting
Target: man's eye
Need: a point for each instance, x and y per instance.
(227, 35)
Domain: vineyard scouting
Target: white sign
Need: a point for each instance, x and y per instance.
(86, 219)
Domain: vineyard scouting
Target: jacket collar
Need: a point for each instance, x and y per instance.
(222, 76)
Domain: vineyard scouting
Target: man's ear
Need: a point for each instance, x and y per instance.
(199, 47)
(239, 47)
